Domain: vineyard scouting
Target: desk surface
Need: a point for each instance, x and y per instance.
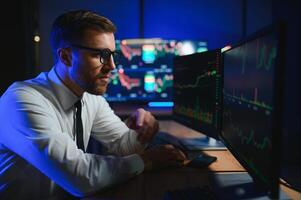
(153, 185)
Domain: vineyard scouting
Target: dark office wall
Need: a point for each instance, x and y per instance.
(258, 15)
(17, 22)
(218, 22)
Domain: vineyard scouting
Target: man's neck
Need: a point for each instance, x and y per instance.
(64, 75)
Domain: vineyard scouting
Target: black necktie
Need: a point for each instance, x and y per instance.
(79, 126)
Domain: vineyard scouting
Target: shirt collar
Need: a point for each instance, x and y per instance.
(64, 95)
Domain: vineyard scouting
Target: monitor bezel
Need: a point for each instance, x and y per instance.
(279, 30)
(213, 134)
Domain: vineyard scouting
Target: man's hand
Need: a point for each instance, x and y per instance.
(144, 123)
(163, 156)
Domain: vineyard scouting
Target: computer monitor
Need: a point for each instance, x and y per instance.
(251, 124)
(198, 91)
(144, 72)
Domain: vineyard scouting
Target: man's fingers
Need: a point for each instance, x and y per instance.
(168, 146)
(166, 156)
(145, 125)
(146, 134)
(141, 133)
(140, 116)
(181, 155)
(171, 153)
(175, 153)
(131, 122)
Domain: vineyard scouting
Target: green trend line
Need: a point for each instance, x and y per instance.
(250, 140)
(257, 103)
(195, 113)
(198, 79)
(243, 60)
(266, 61)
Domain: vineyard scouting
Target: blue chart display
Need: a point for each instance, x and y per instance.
(197, 95)
(249, 85)
(144, 71)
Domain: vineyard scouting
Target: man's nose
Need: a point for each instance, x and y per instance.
(111, 63)
(109, 66)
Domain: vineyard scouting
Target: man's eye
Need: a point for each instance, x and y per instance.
(106, 53)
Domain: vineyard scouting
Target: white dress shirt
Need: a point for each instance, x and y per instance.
(37, 138)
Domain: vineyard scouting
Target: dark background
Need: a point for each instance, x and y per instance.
(218, 22)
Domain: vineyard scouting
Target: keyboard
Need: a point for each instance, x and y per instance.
(192, 193)
(199, 160)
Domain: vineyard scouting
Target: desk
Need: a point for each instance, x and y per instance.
(152, 185)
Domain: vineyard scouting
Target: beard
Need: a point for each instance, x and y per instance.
(96, 86)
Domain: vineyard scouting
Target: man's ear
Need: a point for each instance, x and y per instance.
(65, 56)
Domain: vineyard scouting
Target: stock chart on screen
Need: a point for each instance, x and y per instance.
(197, 95)
(249, 116)
(144, 72)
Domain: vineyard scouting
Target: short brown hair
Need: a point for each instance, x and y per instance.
(70, 27)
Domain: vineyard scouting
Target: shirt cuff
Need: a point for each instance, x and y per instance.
(135, 164)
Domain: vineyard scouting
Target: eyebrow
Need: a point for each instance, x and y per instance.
(89, 48)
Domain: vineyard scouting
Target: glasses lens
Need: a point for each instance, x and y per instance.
(105, 56)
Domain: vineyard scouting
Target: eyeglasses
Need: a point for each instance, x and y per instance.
(104, 54)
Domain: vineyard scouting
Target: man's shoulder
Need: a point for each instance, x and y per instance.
(40, 81)
(39, 84)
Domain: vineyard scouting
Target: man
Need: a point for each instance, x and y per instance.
(43, 141)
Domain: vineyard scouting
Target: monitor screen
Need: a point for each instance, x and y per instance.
(197, 91)
(144, 72)
(251, 108)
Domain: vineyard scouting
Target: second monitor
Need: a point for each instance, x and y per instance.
(198, 91)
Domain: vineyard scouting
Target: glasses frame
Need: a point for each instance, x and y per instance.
(103, 53)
